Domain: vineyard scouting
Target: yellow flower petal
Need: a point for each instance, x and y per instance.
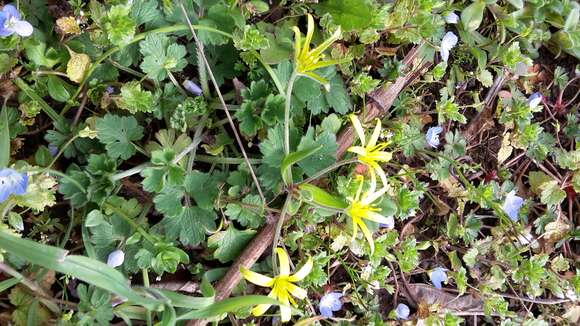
(378, 218)
(321, 80)
(358, 150)
(302, 272)
(297, 291)
(376, 134)
(260, 309)
(328, 42)
(358, 128)
(256, 278)
(284, 262)
(309, 34)
(371, 197)
(377, 169)
(285, 311)
(297, 44)
(367, 235)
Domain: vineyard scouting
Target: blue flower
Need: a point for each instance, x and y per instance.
(432, 136)
(402, 311)
(451, 18)
(10, 23)
(438, 275)
(512, 204)
(534, 100)
(110, 90)
(116, 258)
(330, 302)
(53, 150)
(12, 182)
(192, 87)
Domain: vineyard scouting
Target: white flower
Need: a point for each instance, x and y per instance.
(402, 311)
(447, 43)
(116, 258)
(432, 136)
(512, 204)
(192, 87)
(451, 18)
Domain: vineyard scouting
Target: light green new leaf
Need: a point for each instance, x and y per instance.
(320, 197)
(472, 15)
(295, 157)
(228, 305)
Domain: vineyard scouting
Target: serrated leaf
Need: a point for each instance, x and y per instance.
(249, 216)
(552, 194)
(190, 226)
(117, 134)
(230, 243)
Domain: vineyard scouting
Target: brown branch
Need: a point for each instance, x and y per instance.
(381, 101)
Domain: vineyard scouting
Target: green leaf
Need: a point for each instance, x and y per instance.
(230, 243)
(294, 157)
(57, 89)
(349, 14)
(190, 226)
(160, 54)
(319, 196)
(36, 52)
(118, 133)
(321, 159)
(4, 138)
(228, 305)
(249, 216)
(472, 15)
(85, 269)
(134, 99)
(119, 26)
(203, 188)
(552, 194)
(338, 97)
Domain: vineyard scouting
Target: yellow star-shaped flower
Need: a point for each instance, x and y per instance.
(307, 60)
(282, 285)
(360, 209)
(371, 153)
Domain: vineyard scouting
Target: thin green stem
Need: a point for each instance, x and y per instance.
(225, 160)
(270, 71)
(35, 97)
(176, 83)
(203, 80)
(279, 225)
(145, 275)
(129, 220)
(287, 112)
(58, 155)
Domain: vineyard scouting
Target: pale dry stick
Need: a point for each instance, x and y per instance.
(382, 101)
(223, 102)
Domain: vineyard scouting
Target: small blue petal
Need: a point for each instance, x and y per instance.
(534, 100)
(53, 150)
(438, 276)
(12, 182)
(326, 312)
(192, 87)
(11, 12)
(512, 204)
(432, 136)
(116, 258)
(402, 311)
(451, 18)
(330, 302)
